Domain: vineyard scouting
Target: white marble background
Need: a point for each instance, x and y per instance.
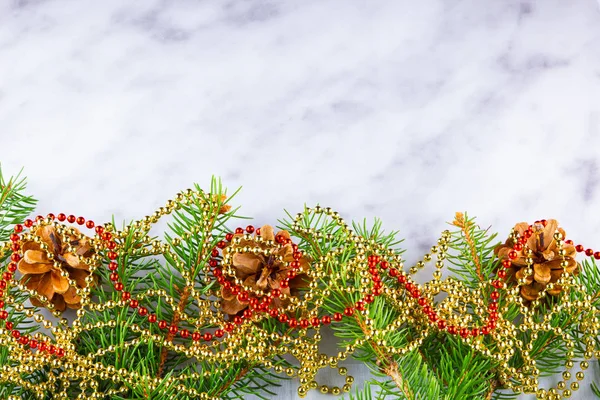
(404, 110)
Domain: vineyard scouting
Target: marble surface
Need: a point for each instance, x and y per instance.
(403, 110)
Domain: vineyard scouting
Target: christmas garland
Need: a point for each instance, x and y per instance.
(212, 311)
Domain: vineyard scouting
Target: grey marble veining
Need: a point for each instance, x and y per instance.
(407, 111)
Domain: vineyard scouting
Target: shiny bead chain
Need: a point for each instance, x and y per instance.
(370, 261)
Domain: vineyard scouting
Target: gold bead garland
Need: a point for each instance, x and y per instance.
(249, 341)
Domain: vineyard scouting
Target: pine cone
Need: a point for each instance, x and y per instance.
(42, 275)
(546, 260)
(264, 273)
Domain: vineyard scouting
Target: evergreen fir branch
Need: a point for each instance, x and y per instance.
(472, 256)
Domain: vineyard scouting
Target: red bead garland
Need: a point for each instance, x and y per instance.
(375, 264)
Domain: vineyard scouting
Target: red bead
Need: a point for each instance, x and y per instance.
(134, 303)
(219, 333)
(71, 219)
(243, 297)
(377, 291)
(213, 262)
(569, 241)
(18, 228)
(325, 319)
(80, 220)
(284, 283)
(589, 252)
(43, 346)
(464, 332)
(118, 286)
(39, 218)
(113, 266)
(106, 236)
(33, 344)
(90, 224)
(7, 275)
(229, 237)
(15, 247)
(393, 272)
(99, 229)
(276, 292)
(493, 306)
(221, 244)
(239, 231)
(237, 320)
(152, 318)
(184, 333)
(495, 295)
(359, 305)
(501, 273)
(214, 253)
(258, 231)
(273, 313)
(3, 284)
(51, 349)
(143, 311)
(384, 265)
(518, 247)
(475, 332)
(283, 318)
(441, 324)
(173, 329)
(15, 257)
(9, 325)
(247, 313)
(579, 248)
(196, 336)
(543, 222)
(293, 323)
(112, 255)
(498, 284)
(506, 263)
(348, 311)
(410, 286)
(315, 321)
(512, 255)
(249, 229)
(16, 334)
(14, 237)
(162, 324)
(402, 279)
(452, 330)
(61, 217)
(485, 330)
(114, 277)
(433, 317)
(337, 317)
(28, 223)
(111, 245)
(304, 323)
(208, 337)
(597, 255)
(291, 274)
(369, 298)
(126, 296)
(415, 293)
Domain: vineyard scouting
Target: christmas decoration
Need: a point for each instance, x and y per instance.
(547, 258)
(49, 263)
(218, 311)
(264, 269)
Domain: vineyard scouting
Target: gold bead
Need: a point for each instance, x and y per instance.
(324, 389)
(335, 390)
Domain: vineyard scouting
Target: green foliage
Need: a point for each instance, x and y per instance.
(173, 282)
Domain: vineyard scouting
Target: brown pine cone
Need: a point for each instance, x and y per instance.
(264, 273)
(547, 262)
(45, 276)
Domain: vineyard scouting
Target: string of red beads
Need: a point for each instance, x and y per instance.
(262, 305)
